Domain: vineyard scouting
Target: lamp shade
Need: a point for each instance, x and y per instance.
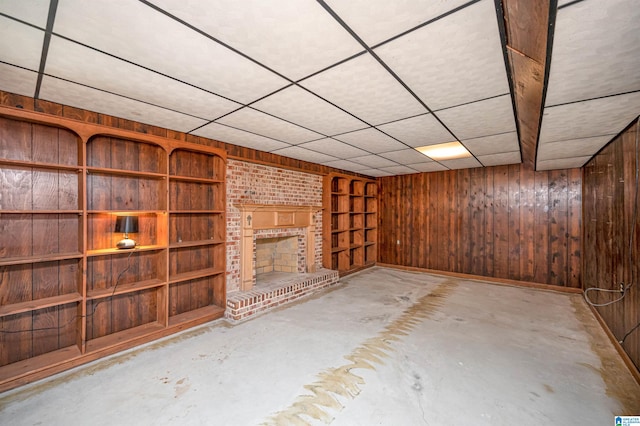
(127, 224)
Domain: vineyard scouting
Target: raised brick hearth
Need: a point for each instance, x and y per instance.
(285, 289)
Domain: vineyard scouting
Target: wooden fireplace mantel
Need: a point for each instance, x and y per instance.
(273, 216)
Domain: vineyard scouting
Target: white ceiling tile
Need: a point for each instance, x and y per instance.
(345, 165)
(239, 137)
(371, 140)
(562, 163)
(334, 147)
(83, 97)
(461, 163)
(378, 20)
(398, 170)
(484, 118)
(504, 142)
(572, 148)
(82, 65)
(20, 44)
(301, 107)
(18, 80)
(428, 167)
(375, 172)
(262, 124)
(452, 61)
(406, 156)
(418, 131)
(275, 33)
(500, 159)
(32, 11)
(305, 154)
(374, 161)
(596, 51)
(598, 117)
(365, 89)
(138, 33)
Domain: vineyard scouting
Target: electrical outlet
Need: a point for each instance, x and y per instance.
(398, 242)
(621, 287)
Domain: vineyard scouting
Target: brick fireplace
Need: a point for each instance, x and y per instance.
(276, 238)
(275, 222)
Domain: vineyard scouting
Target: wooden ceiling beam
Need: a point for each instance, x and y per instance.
(527, 27)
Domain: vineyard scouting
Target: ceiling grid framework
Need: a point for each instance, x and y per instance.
(354, 85)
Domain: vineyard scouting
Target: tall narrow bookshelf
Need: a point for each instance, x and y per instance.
(350, 222)
(68, 295)
(197, 227)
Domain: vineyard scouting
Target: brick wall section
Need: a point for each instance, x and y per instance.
(249, 183)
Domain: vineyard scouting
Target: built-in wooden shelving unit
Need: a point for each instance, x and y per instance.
(350, 222)
(67, 294)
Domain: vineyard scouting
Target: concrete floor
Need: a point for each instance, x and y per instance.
(386, 347)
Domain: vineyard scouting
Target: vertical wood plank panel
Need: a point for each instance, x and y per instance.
(541, 264)
(527, 222)
(489, 221)
(501, 222)
(515, 214)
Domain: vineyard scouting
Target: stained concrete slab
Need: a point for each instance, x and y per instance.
(386, 347)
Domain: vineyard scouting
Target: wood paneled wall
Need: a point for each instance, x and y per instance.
(609, 259)
(233, 151)
(503, 222)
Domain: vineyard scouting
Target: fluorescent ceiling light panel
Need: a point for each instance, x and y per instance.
(445, 151)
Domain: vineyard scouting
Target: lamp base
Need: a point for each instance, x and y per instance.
(126, 243)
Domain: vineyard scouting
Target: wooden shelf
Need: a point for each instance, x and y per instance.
(40, 165)
(200, 273)
(110, 251)
(124, 172)
(126, 212)
(45, 302)
(184, 244)
(208, 313)
(43, 211)
(23, 260)
(196, 211)
(124, 288)
(14, 372)
(194, 179)
(120, 337)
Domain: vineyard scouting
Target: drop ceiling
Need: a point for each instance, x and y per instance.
(356, 85)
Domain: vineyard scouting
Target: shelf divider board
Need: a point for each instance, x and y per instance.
(124, 288)
(42, 303)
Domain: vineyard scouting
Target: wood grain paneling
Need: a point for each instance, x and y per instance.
(503, 222)
(609, 258)
(527, 26)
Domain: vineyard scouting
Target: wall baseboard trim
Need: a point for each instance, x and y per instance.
(491, 280)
